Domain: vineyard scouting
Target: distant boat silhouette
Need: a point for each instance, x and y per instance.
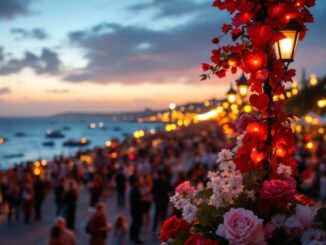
(74, 143)
(48, 143)
(54, 134)
(13, 155)
(116, 129)
(20, 134)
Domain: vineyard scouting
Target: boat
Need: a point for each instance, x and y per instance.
(48, 143)
(66, 128)
(116, 129)
(54, 134)
(76, 143)
(20, 134)
(13, 155)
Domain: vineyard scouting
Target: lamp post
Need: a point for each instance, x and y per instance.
(172, 106)
(243, 86)
(231, 95)
(285, 48)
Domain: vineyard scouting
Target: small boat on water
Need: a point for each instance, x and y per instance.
(54, 134)
(13, 155)
(48, 143)
(116, 129)
(76, 143)
(66, 128)
(20, 134)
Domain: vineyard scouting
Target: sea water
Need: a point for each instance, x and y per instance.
(24, 137)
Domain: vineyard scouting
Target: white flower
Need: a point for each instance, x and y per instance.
(278, 220)
(189, 212)
(178, 201)
(251, 194)
(313, 237)
(224, 155)
(284, 170)
(305, 214)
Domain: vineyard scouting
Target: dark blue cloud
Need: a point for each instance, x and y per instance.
(46, 63)
(9, 9)
(36, 33)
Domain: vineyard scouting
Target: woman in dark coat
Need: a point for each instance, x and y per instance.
(71, 205)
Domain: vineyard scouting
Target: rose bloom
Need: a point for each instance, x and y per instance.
(171, 227)
(242, 226)
(196, 239)
(278, 192)
(185, 188)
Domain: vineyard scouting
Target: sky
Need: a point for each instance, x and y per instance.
(61, 56)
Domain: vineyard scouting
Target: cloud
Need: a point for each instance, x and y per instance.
(171, 8)
(5, 90)
(132, 54)
(36, 33)
(57, 91)
(46, 63)
(9, 9)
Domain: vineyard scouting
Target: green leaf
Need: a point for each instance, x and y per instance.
(253, 179)
(206, 194)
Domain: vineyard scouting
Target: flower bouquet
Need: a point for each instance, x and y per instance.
(251, 198)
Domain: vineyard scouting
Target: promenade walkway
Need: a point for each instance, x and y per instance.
(36, 233)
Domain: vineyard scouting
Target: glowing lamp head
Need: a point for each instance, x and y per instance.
(243, 86)
(313, 80)
(285, 48)
(231, 95)
(280, 151)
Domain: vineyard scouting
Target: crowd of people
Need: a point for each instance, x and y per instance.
(141, 172)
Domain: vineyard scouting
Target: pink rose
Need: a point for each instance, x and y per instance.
(242, 226)
(185, 188)
(278, 192)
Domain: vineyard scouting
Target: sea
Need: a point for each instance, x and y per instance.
(26, 138)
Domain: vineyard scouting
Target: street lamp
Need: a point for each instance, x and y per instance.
(313, 80)
(285, 48)
(172, 106)
(231, 95)
(243, 85)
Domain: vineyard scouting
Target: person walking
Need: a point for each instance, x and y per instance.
(161, 189)
(60, 235)
(97, 226)
(71, 198)
(121, 184)
(95, 189)
(39, 194)
(136, 211)
(59, 195)
(120, 231)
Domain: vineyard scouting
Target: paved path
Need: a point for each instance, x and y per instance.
(37, 233)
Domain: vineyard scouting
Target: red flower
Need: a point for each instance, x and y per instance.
(278, 192)
(205, 66)
(257, 156)
(236, 33)
(260, 34)
(216, 58)
(259, 101)
(257, 130)
(171, 227)
(196, 239)
(241, 18)
(254, 61)
(226, 28)
(215, 40)
(243, 120)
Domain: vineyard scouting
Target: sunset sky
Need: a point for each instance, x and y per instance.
(108, 55)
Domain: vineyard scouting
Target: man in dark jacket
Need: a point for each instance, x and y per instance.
(161, 189)
(120, 181)
(136, 211)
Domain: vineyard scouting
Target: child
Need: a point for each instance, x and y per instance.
(120, 232)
